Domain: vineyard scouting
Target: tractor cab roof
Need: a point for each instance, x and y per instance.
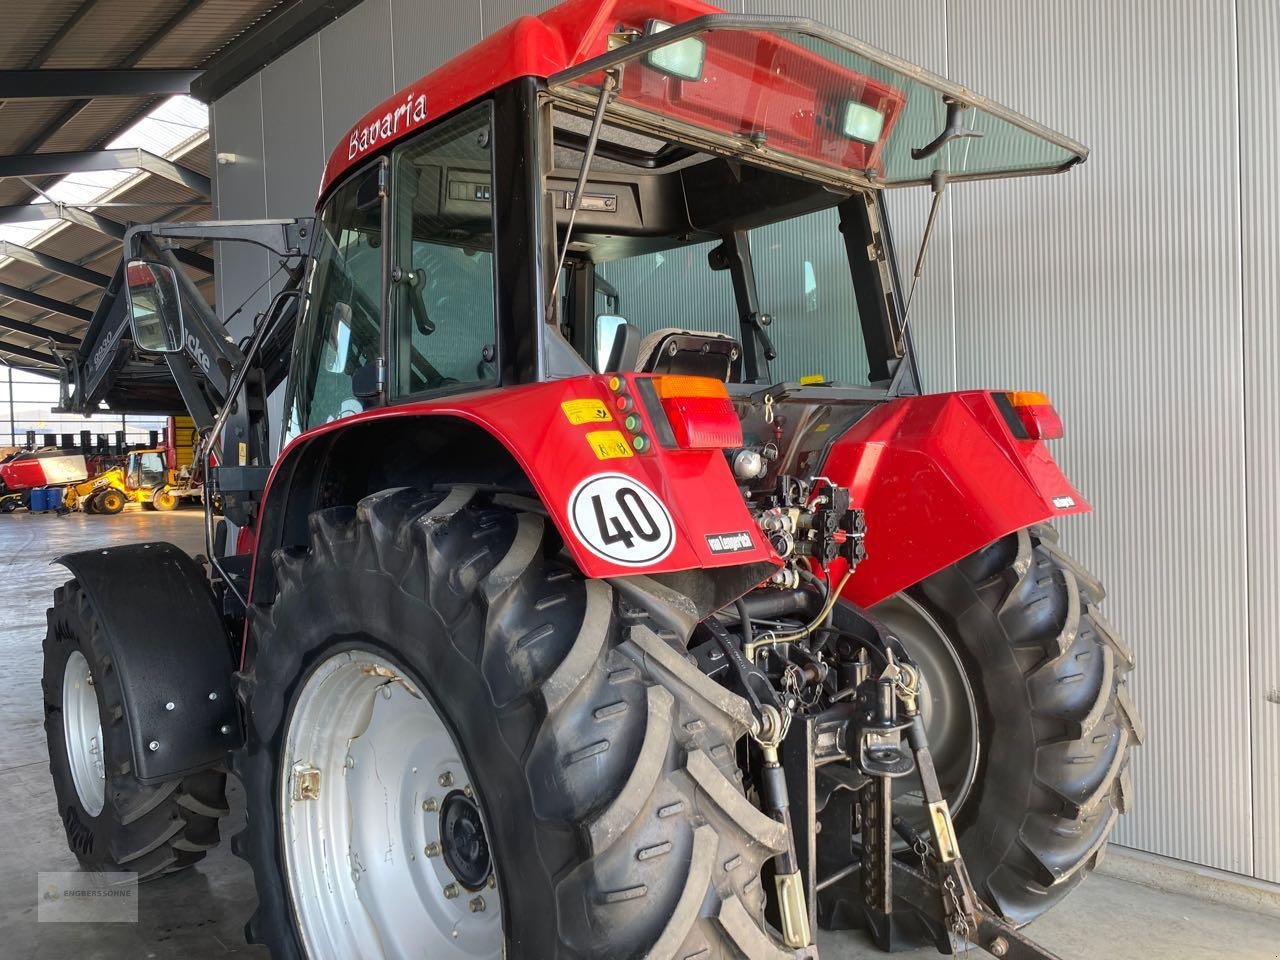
(783, 91)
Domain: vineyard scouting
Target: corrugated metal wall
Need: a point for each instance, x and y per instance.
(1140, 291)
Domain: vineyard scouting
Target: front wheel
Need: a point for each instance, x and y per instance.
(112, 821)
(164, 499)
(110, 501)
(456, 748)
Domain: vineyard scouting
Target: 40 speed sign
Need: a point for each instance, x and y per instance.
(621, 520)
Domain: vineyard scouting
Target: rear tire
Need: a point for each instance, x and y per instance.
(151, 830)
(603, 763)
(1055, 723)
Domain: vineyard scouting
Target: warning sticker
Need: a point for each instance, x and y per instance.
(586, 411)
(609, 445)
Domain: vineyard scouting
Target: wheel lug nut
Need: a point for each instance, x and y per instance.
(446, 779)
(476, 904)
(430, 805)
(432, 849)
(467, 790)
(492, 881)
(451, 892)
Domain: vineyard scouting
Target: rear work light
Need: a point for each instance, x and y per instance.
(699, 411)
(862, 123)
(1030, 415)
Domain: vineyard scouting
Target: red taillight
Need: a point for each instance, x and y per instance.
(700, 412)
(1036, 414)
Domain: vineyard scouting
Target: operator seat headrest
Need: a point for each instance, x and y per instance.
(625, 349)
(703, 353)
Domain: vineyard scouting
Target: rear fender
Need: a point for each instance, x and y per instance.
(167, 645)
(939, 477)
(548, 441)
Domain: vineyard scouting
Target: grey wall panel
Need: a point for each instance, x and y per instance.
(424, 37)
(1113, 288)
(1259, 31)
(294, 136)
(241, 195)
(356, 66)
(914, 30)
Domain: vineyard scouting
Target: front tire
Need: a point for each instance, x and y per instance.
(163, 499)
(112, 821)
(110, 502)
(603, 764)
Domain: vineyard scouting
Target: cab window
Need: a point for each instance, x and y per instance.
(341, 331)
(442, 281)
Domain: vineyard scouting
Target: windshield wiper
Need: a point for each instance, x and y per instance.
(610, 86)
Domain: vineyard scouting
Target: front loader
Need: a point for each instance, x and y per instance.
(617, 591)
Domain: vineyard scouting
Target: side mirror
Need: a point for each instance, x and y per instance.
(155, 306)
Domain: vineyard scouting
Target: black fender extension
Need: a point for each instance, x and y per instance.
(169, 647)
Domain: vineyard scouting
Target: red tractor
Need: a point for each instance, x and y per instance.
(618, 591)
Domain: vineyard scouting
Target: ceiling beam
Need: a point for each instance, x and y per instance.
(32, 355)
(37, 258)
(17, 326)
(92, 161)
(271, 37)
(71, 84)
(34, 212)
(131, 60)
(45, 303)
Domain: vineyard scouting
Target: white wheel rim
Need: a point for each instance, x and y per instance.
(82, 730)
(368, 765)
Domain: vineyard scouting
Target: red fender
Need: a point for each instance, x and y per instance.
(939, 477)
(563, 434)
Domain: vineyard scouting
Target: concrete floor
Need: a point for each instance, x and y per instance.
(199, 914)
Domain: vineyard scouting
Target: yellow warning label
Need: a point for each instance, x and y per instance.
(609, 444)
(244, 454)
(586, 411)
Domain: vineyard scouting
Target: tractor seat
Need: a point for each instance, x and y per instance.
(702, 353)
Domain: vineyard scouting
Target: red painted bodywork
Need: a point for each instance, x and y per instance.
(940, 476)
(806, 92)
(696, 486)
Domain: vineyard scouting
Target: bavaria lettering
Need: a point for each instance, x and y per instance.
(404, 117)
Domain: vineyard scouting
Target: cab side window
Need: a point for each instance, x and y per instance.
(442, 282)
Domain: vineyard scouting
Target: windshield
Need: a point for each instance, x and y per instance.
(791, 92)
(340, 332)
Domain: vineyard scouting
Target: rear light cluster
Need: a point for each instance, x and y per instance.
(698, 412)
(1030, 415)
(625, 407)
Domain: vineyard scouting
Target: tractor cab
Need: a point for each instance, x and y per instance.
(146, 470)
(704, 198)
(612, 522)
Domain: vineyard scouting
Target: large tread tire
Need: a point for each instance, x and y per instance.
(623, 830)
(1057, 721)
(151, 830)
